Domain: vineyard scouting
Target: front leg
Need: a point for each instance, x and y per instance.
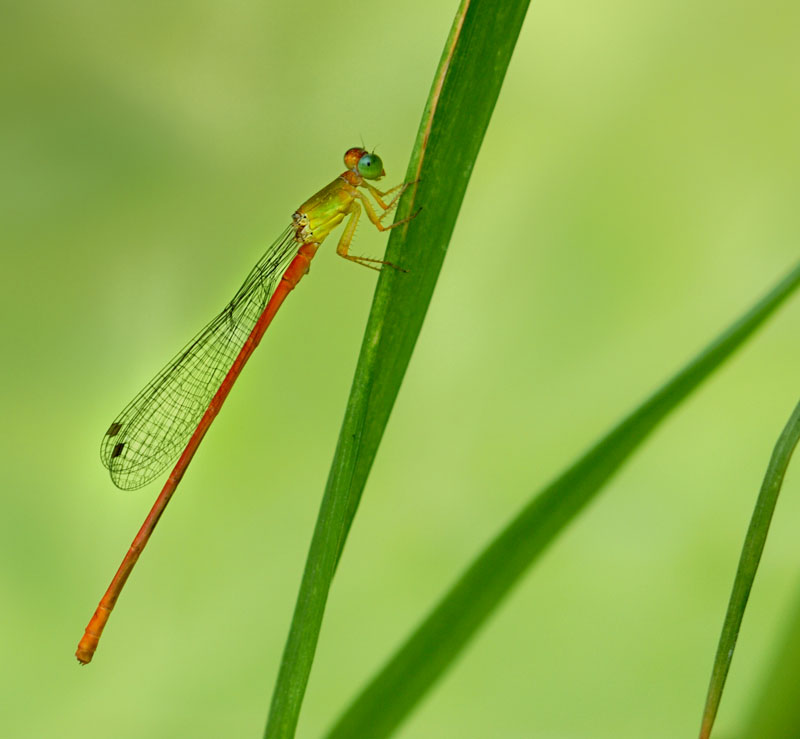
(378, 195)
(375, 218)
(343, 247)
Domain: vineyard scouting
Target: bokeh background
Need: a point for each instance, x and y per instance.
(637, 189)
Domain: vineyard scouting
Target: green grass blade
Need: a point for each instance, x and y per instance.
(460, 105)
(753, 546)
(436, 643)
(776, 711)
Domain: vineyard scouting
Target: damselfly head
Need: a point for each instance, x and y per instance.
(368, 165)
(351, 157)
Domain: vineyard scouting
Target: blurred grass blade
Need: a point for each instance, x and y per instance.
(462, 97)
(776, 712)
(436, 643)
(753, 546)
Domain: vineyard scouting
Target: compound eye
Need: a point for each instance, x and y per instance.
(370, 166)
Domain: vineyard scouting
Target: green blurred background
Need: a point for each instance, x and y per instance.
(637, 189)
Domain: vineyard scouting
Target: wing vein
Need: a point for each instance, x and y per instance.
(154, 427)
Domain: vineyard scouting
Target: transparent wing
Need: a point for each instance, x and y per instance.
(155, 426)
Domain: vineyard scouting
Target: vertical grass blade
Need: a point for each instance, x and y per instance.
(437, 642)
(754, 542)
(460, 105)
(776, 711)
